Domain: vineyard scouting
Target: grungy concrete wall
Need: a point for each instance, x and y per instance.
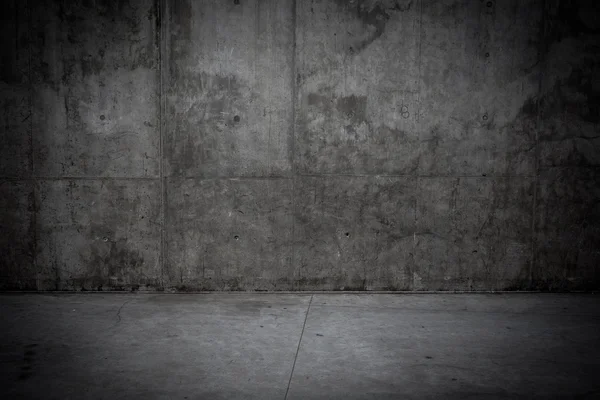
(300, 145)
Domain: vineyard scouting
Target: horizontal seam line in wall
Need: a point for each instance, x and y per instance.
(546, 167)
(140, 178)
(280, 177)
(239, 178)
(412, 176)
(80, 178)
(308, 293)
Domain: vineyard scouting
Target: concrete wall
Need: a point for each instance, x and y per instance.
(300, 145)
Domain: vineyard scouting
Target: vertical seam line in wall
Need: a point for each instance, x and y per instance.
(161, 7)
(31, 150)
(30, 75)
(418, 123)
(293, 143)
(538, 122)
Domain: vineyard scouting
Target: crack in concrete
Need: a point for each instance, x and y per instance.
(120, 309)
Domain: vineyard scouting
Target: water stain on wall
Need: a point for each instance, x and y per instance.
(374, 15)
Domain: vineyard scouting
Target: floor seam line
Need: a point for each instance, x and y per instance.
(298, 349)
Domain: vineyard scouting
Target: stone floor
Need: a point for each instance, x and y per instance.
(299, 346)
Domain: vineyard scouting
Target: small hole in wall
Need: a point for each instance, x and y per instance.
(347, 234)
(485, 117)
(489, 4)
(236, 118)
(487, 55)
(236, 237)
(102, 117)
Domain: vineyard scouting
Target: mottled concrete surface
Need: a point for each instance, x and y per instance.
(17, 240)
(95, 86)
(473, 233)
(98, 235)
(229, 234)
(355, 233)
(15, 90)
(479, 77)
(358, 87)
(298, 346)
(300, 145)
(228, 74)
(567, 228)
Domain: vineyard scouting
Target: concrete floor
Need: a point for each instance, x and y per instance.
(299, 346)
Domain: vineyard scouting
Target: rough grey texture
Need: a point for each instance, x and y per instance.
(354, 233)
(568, 225)
(478, 81)
(95, 82)
(228, 88)
(15, 91)
(17, 240)
(298, 346)
(452, 347)
(97, 234)
(300, 145)
(229, 234)
(473, 233)
(149, 346)
(358, 80)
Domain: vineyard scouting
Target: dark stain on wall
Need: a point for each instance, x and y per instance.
(575, 17)
(96, 235)
(114, 21)
(336, 134)
(374, 16)
(17, 236)
(180, 24)
(353, 107)
(577, 95)
(567, 233)
(112, 262)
